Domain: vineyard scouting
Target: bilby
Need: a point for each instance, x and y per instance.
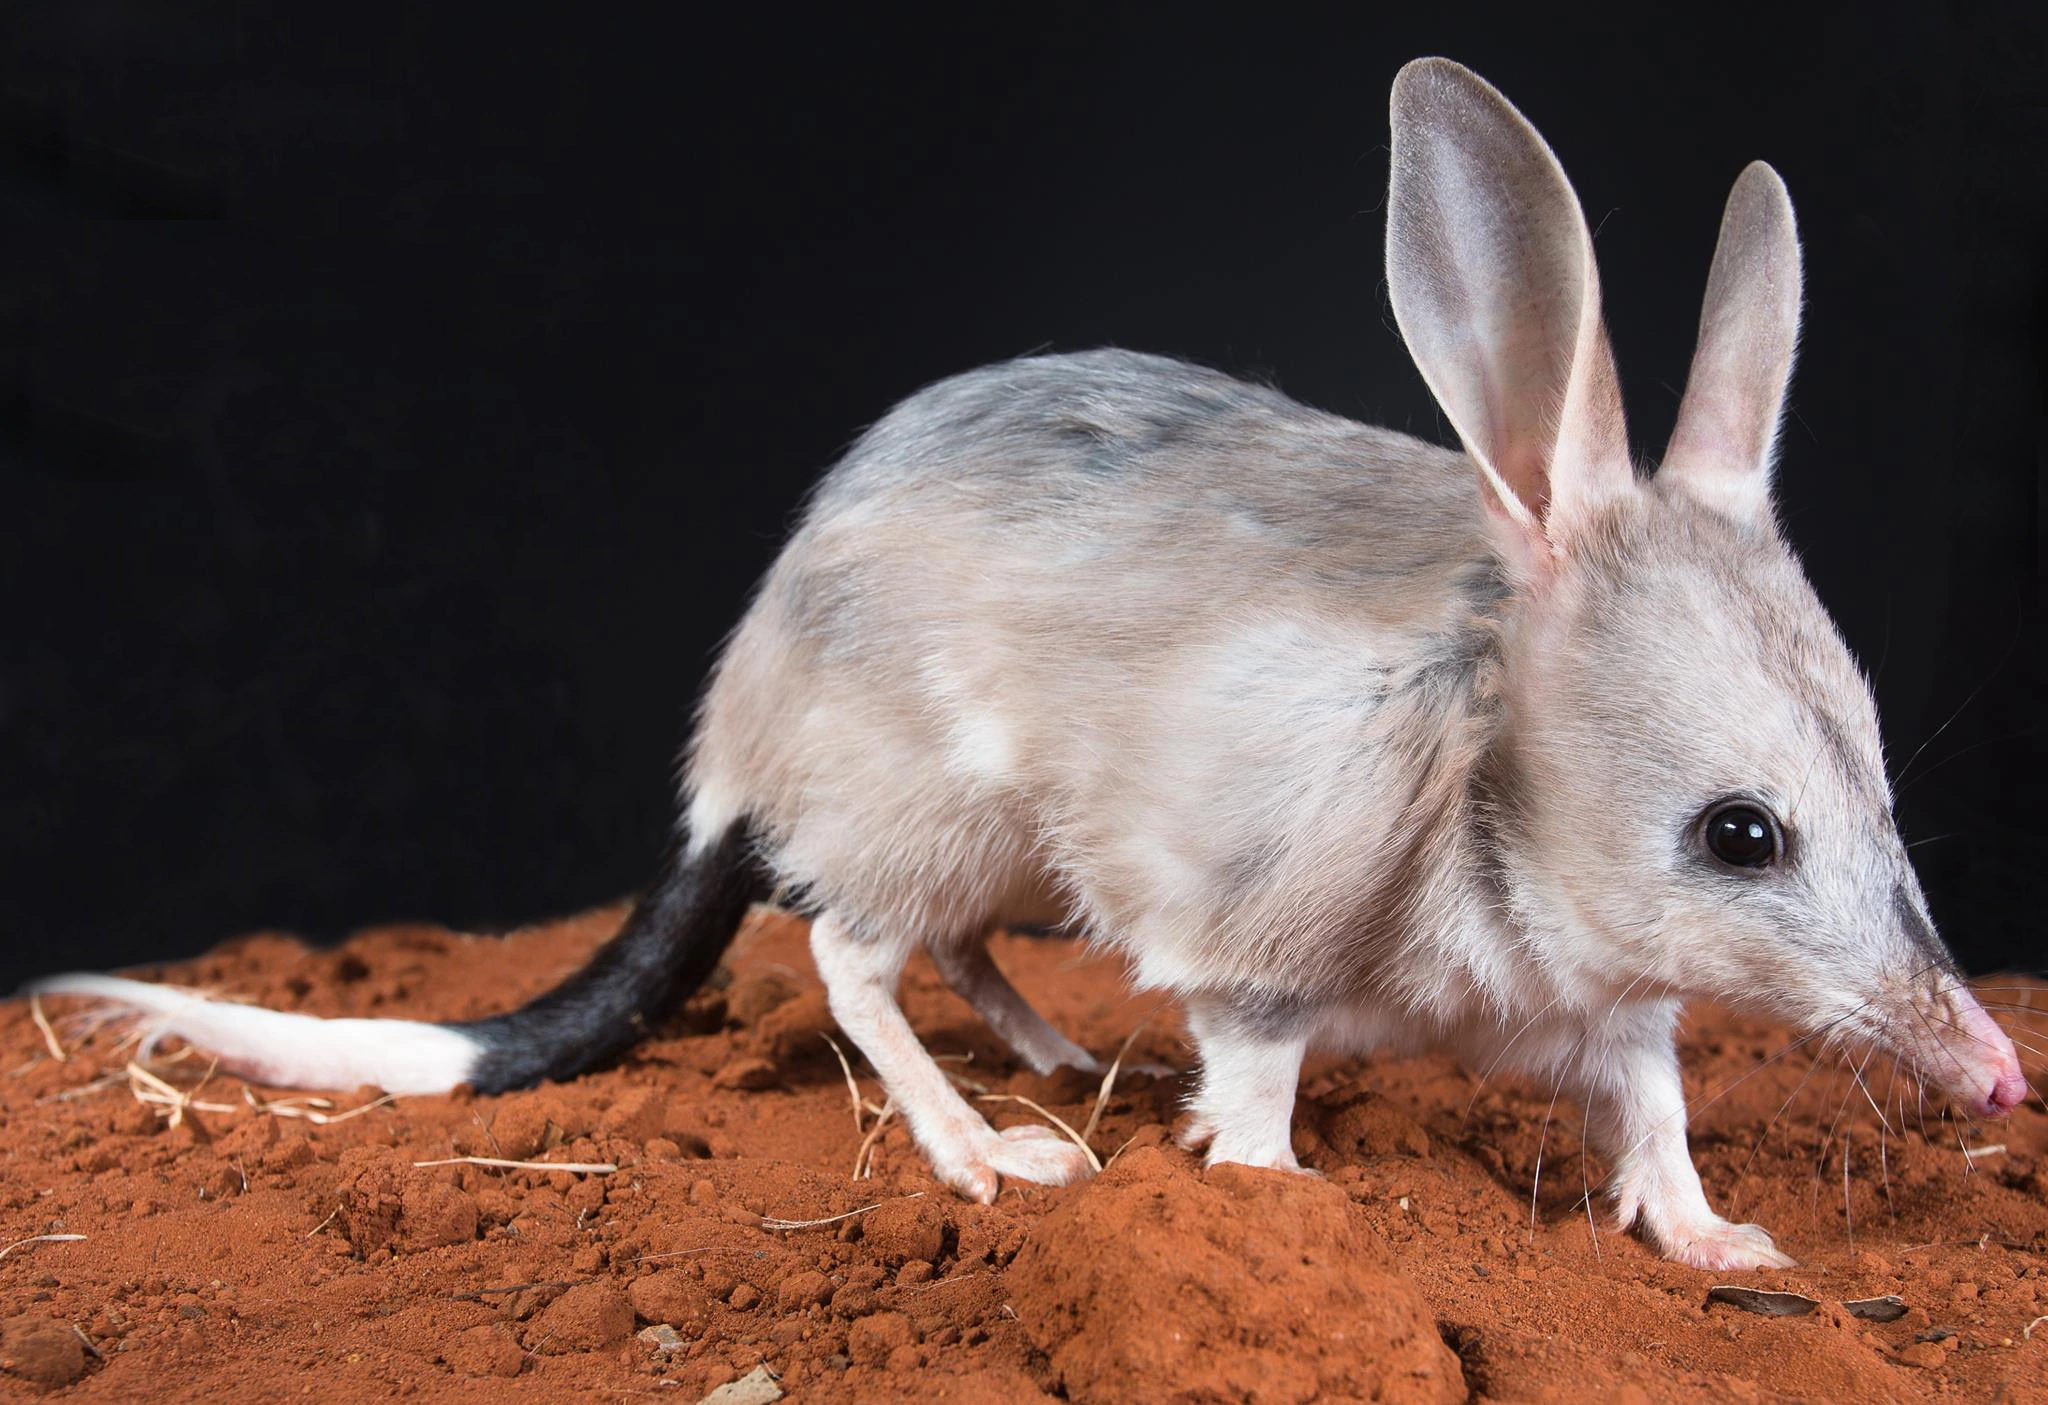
(1343, 738)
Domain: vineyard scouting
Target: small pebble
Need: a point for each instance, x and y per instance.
(663, 1338)
(41, 1350)
(757, 1387)
(747, 1075)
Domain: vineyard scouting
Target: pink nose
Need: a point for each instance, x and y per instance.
(1985, 1053)
(2007, 1093)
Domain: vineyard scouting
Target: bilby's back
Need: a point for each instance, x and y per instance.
(1088, 636)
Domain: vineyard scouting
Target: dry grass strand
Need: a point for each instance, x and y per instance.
(84, 1090)
(50, 1040)
(771, 1223)
(864, 1159)
(314, 1110)
(171, 1103)
(1109, 1080)
(1094, 1161)
(40, 1239)
(852, 1088)
(581, 1168)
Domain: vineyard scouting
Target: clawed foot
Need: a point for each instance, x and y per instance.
(1200, 1133)
(1026, 1153)
(1718, 1244)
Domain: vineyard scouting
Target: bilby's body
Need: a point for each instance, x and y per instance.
(1342, 738)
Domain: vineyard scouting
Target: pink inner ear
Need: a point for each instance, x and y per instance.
(1522, 468)
(1490, 271)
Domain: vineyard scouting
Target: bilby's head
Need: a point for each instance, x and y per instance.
(1692, 779)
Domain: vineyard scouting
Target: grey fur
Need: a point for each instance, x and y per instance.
(970, 565)
(1323, 733)
(1341, 737)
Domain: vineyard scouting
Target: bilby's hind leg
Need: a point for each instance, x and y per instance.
(974, 976)
(1251, 1060)
(860, 974)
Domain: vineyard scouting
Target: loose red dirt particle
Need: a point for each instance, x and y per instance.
(370, 1183)
(434, 1213)
(754, 994)
(791, 1030)
(528, 1124)
(808, 1288)
(671, 1296)
(1373, 1126)
(44, 1353)
(483, 1351)
(747, 1075)
(589, 1317)
(1926, 1355)
(898, 1231)
(872, 1338)
(636, 1116)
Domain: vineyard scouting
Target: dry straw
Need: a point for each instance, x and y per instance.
(1094, 1161)
(581, 1168)
(864, 1159)
(834, 1219)
(35, 1012)
(40, 1239)
(1109, 1080)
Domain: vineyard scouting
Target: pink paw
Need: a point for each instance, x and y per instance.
(1237, 1147)
(1026, 1153)
(1718, 1244)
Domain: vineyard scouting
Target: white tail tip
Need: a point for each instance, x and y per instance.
(288, 1051)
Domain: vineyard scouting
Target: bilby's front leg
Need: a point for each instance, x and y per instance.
(1626, 1077)
(1251, 1060)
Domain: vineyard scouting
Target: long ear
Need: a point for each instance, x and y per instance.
(1490, 268)
(1727, 432)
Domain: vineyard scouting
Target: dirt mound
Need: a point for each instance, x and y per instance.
(187, 1239)
(1244, 1285)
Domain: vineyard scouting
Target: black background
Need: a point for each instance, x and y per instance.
(398, 408)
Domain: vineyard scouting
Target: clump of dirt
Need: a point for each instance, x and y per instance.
(1243, 1285)
(41, 1351)
(251, 1243)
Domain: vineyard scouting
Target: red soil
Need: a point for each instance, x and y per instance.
(242, 1255)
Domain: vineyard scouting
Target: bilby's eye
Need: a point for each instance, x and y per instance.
(1741, 834)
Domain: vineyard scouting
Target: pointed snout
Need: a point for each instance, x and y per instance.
(1965, 1052)
(2006, 1094)
(1997, 1070)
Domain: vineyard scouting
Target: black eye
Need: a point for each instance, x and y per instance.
(1742, 836)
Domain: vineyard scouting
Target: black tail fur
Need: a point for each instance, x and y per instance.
(668, 946)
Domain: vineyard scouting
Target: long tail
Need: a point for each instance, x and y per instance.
(668, 945)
